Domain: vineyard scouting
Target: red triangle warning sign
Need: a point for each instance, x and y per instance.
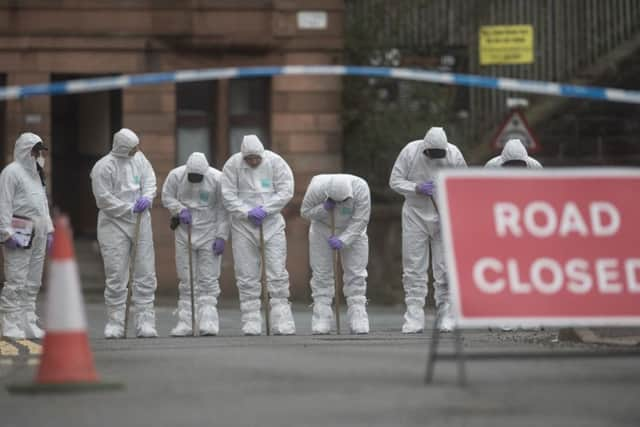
(515, 127)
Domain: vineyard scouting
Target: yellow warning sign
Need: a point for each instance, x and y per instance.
(506, 44)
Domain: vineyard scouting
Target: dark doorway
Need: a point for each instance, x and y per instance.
(81, 131)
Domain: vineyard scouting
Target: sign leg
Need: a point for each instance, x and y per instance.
(433, 350)
(462, 374)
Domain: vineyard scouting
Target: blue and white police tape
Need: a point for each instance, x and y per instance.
(471, 80)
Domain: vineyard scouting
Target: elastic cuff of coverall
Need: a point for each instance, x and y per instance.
(140, 307)
(358, 300)
(250, 306)
(278, 301)
(322, 301)
(415, 301)
(208, 300)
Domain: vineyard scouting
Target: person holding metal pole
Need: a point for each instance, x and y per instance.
(413, 177)
(256, 185)
(124, 186)
(192, 194)
(338, 207)
(132, 263)
(263, 282)
(336, 269)
(514, 155)
(26, 234)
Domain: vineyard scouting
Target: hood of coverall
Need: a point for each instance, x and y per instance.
(251, 145)
(339, 188)
(197, 163)
(514, 150)
(123, 141)
(435, 138)
(22, 150)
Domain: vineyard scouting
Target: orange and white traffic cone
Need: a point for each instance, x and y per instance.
(67, 362)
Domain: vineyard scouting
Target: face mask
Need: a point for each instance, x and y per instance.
(133, 151)
(515, 164)
(253, 160)
(40, 161)
(435, 153)
(195, 177)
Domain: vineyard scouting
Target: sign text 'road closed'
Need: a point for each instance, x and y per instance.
(555, 247)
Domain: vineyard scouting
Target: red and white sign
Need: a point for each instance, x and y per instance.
(515, 126)
(549, 247)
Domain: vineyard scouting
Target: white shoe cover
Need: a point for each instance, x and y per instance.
(281, 317)
(413, 320)
(446, 323)
(31, 329)
(321, 319)
(358, 319)
(183, 327)
(208, 323)
(13, 326)
(115, 324)
(146, 323)
(252, 323)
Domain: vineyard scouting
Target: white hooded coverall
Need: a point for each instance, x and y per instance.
(209, 222)
(421, 224)
(22, 193)
(352, 211)
(514, 149)
(118, 180)
(269, 185)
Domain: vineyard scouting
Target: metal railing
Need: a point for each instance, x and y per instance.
(570, 37)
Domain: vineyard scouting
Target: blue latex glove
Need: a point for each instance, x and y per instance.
(185, 216)
(49, 241)
(257, 215)
(141, 205)
(218, 246)
(426, 188)
(329, 204)
(335, 243)
(12, 243)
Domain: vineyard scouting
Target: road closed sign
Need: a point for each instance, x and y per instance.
(550, 247)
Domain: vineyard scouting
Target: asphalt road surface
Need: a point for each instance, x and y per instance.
(304, 380)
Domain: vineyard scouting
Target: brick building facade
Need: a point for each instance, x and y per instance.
(296, 116)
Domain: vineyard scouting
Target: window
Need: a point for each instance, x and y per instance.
(248, 111)
(195, 119)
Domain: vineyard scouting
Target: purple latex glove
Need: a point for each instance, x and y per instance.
(329, 204)
(12, 243)
(141, 205)
(426, 188)
(49, 241)
(218, 246)
(185, 216)
(257, 215)
(335, 243)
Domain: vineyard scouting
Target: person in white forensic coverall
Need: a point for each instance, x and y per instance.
(514, 154)
(256, 186)
(413, 176)
(347, 197)
(23, 194)
(192, 193)
(124, 186)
